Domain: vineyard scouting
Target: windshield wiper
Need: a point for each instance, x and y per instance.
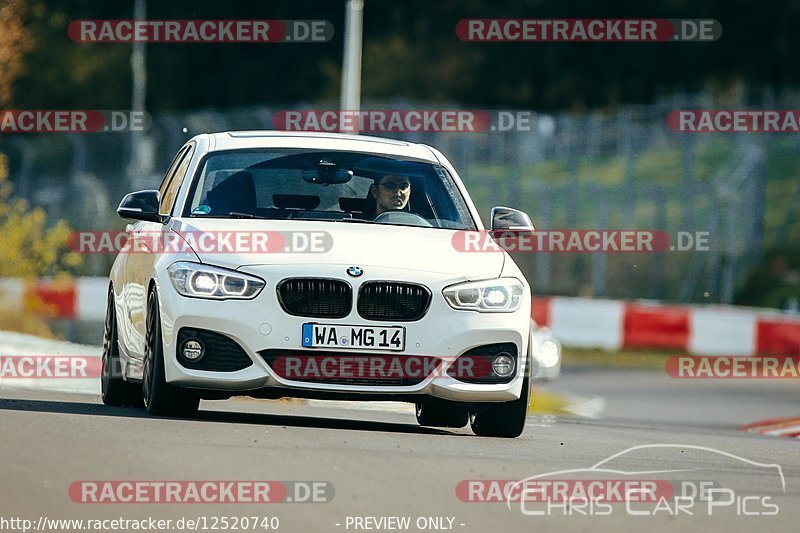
(236, 214)
(355, 220)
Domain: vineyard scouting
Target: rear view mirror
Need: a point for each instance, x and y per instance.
(140, 205)
(327, 177)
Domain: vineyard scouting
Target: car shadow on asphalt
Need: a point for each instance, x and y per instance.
(229, 417)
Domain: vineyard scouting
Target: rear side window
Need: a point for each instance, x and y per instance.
(162, 189)
(174, 181)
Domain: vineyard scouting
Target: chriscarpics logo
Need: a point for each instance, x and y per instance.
(648, 480)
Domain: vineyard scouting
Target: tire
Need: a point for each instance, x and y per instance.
(441, 414)
(161, 398)
(114, 389)
(504, 419)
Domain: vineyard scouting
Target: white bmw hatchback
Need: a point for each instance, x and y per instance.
(273, 264)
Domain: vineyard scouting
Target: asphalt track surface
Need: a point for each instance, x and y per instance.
(382, 464)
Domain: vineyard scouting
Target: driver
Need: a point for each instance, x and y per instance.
(391, 192)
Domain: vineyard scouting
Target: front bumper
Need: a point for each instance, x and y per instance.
(261, 324)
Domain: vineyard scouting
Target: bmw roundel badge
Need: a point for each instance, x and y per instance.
(355, 271)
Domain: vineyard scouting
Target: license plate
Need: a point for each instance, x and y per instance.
(354, 337)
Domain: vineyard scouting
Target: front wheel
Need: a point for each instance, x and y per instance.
(506, 419)
(114, 389)
(161, 398)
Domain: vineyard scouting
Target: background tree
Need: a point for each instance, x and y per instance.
(15, 40)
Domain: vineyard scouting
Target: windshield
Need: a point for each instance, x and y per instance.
(290, 184)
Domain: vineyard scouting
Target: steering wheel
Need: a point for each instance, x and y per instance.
(403, 218)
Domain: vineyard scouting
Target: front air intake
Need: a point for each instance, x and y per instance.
(315, 297)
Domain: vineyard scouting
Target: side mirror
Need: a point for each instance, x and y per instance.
(140, 205)
(507, 219)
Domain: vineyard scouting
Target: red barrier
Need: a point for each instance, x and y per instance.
(52, 298)
(648, 326)
(540, 311)
(778, 337)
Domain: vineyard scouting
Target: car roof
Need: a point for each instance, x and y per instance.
(233, 140)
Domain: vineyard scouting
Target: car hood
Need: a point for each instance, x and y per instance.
(341, 243)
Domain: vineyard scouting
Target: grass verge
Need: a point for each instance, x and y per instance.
(547, 403)
(633, 359)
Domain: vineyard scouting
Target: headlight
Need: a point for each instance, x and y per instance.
(502, 295)
(548, 354)
(203, 281)
(547, 350)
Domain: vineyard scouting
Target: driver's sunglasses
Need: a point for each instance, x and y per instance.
(392, 186)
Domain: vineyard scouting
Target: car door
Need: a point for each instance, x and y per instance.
(139, 265)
